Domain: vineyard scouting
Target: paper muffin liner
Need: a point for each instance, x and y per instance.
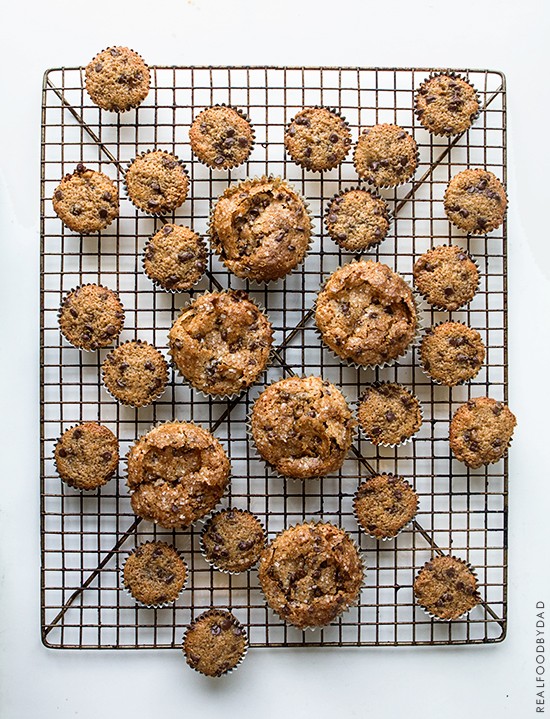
(333, 111)
(203, 548)
(245, 117)
(231, 395)
(111, 475)
(436, 306)
(154, 397)
(428, 375)
(454, 75)
(201, 243)
(365, 435)
(277, 181)
(397, 184)
(216, 611)
(464, 614)
(480, 232)
(79, 287)
(371, 189)
(407, 525)
(162, 605)
(119, 111)
(179, 162)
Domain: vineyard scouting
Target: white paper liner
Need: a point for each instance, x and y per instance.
(453, 75)
(212, 562)
(244, 116)
(364, 433)
(407, 525)
(464, 614)
(227, 613)
(113, 337)
(439, 382)
(464, 304)
(162, 605)
(154, 397)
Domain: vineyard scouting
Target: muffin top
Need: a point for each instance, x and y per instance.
(135, 373)
(446, 587)
(175, 258)
(232, 540)
(475, 201)
(385, 155)
(157, 182)
(86, 201)
(215, 643)
(221, 137)
(117, 79)
(452, 353)
(357, 220)
(86, 456)
(317, 139)
(384, 504)
(154, 574)
(91, 317)
(446, 276)
(446, 104)
(389, 414)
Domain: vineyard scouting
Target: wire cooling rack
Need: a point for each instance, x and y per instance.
(86, 536)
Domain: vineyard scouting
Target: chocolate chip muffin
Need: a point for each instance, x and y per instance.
(389, 414)
(302, 426)
(177, 473)
(157, 182)
(446, 588)
(475, 201)
(86, 201)
(446, 104)
(91, 317)
(221, 342)
(385, 156)
(317, 138)
(310, 574)
(232, 540)
(135, 373)
(357, 220)
(154, 574)
(221, 137)
(215, 643)
(117, 79)
(366, 313)
(261, 229)
(86, 456)
(481, 431)
(446, 276)
(175, 258)
(384, 504)
(452, 353)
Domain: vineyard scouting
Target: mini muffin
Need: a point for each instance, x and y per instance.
(357, 220)
(221, 342)
(175, 258)
(135, 373)
(232, 540)
(157, 182)
(384, 504)
(446, 276)
(154, 574)
(86, 201)
(177, 473)
(91, 316)
(221, 137)
(310, 574)
(215, 643)
(86, 456)
(117, 79)
(446, 588)
(446, 104)
(303, 427)
(385, 156)
(481, 431)
(475, 201)
(452, 353)
(261, 229)
(366, 313)
(389, 414)
(317, 139)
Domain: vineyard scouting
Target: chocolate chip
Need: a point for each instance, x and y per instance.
(114, 52)
(107, 456)
(80, 167)
(62, 452)
(390, 416)
(463, 212)
(397, 493)
(237, 631)
(375, 431)
(77, 434)
(99, 67)
(58, 195)
(243, 142)
(450, 572)
(429, 99)
(331, 158)
(307, 152)
(77, 209)
(448, 291)
(215, 629)
(120, 383)
(219, 160)
(401, 135)
(481, 223)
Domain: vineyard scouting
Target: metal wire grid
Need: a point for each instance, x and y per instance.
(87, 535)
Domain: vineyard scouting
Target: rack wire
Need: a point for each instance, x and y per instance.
(86, 536)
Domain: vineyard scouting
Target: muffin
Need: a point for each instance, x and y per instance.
(91, 317)
(117, 79)
(446, 276)
(177, 473)
(446, 588)
(86, 201)
(389, 414)
(384, 504)
(366, 313)
(481, 431)
(175, 258)
(357, 220)
(261, 229)
(446, 104)
(215, 643)
(451, 353)
(302, 427)
(154, 574)
(157, 182)
(221, 137)
(232, 540)
(385, 156)
(310, 574)
(317, 138)
(475, 201)
(221, 342)
(135, 373)
(86, 456)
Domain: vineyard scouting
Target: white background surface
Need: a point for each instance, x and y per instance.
(451, 682)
